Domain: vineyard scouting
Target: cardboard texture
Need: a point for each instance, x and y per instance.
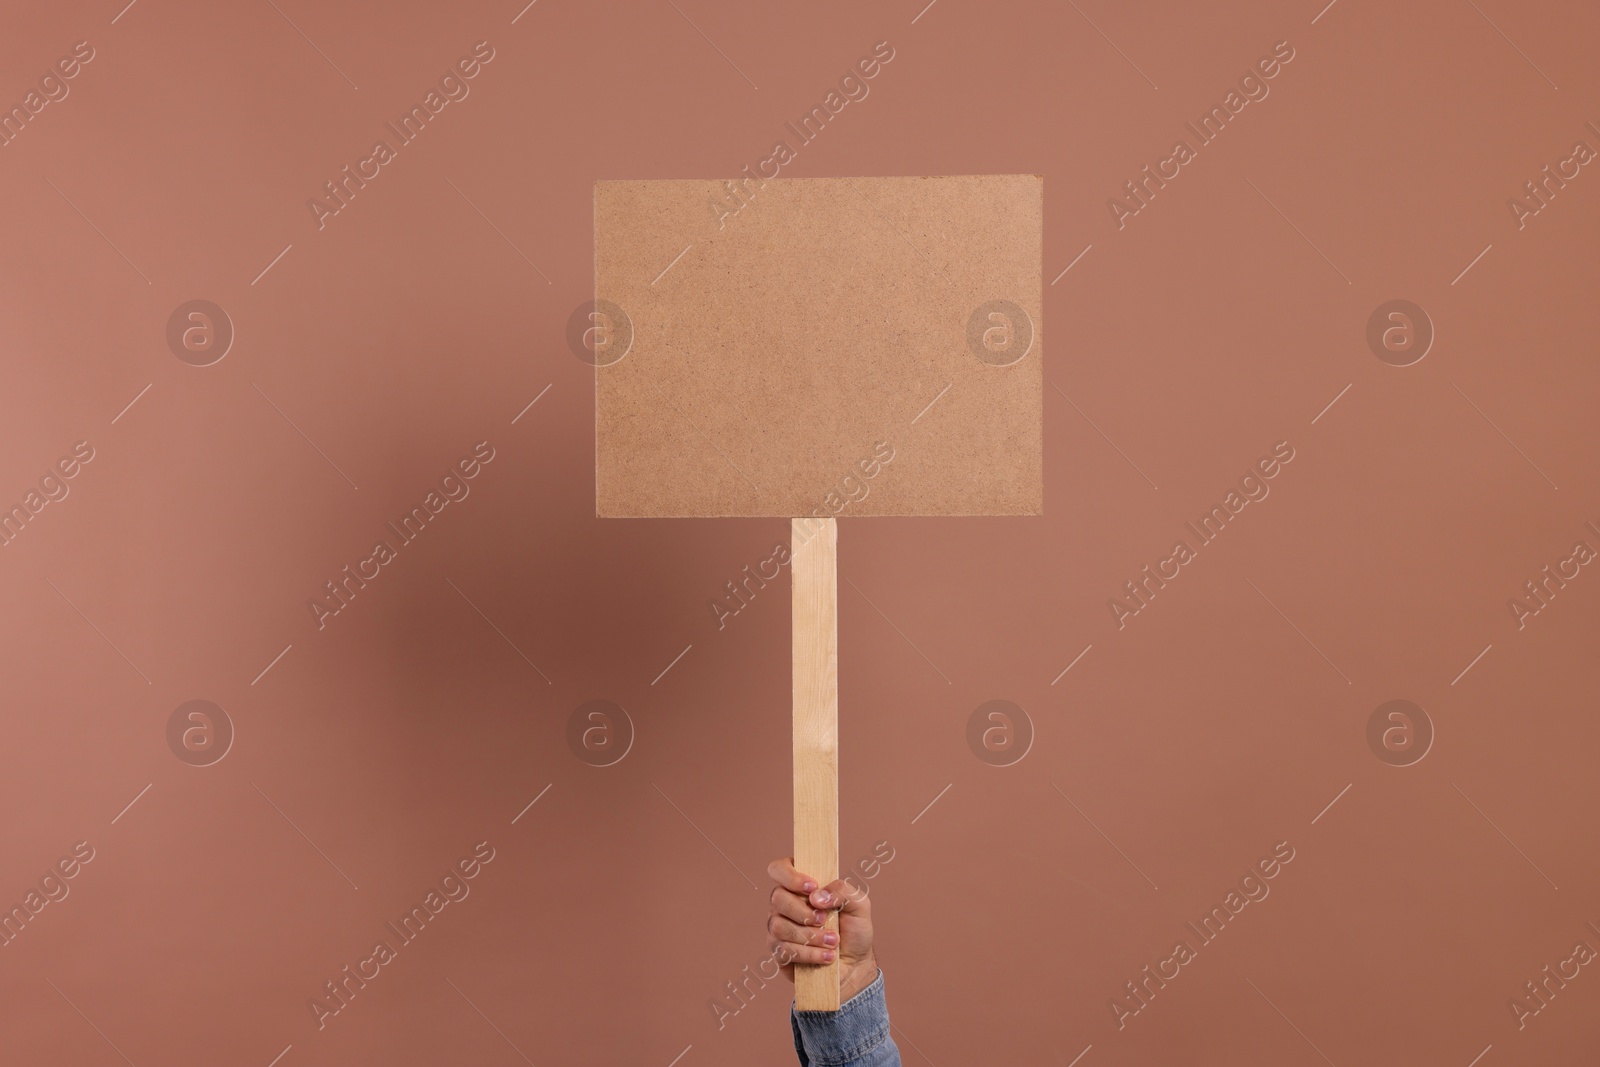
(820, 346)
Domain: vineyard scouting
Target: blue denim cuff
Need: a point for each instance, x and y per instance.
(858, 1033)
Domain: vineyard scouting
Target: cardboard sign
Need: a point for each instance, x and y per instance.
(818, 346)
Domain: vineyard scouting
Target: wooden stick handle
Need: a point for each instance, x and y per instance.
(813, 553)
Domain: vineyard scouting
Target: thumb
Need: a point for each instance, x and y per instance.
(842, 896)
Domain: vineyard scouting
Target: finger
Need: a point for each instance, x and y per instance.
(842, 896)
(801, 953)
(782, 871)
(784, 955)
(795, 934)
(796, 907)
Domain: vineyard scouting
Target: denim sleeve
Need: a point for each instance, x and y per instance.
(857, 1035)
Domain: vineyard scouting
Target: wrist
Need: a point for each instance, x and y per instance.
(859, 976)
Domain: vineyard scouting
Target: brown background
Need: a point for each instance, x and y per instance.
(1223, 719)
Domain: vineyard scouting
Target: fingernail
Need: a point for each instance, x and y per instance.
(827, 957)
(823, 897)
(809, 885)
(830, 938)
(817, 918)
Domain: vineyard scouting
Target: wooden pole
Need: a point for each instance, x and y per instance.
(815, 640)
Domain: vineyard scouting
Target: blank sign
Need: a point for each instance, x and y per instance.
(819, 346)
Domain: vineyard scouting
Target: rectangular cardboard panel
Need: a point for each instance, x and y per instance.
(819, 346)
